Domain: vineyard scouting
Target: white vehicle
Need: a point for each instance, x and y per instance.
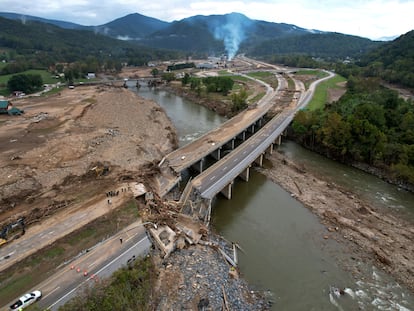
(26, 300)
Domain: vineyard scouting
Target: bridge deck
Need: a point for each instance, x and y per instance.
(189, 154)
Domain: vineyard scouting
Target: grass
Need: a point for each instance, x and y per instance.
(128, 289)
(240, 78)
(54, 252)
(46, 76)
(257, 97)
(14, 287)
(321, 93)
(291, 83)
(318, 73)
(223, 73)
(29, 272)
(266, 77)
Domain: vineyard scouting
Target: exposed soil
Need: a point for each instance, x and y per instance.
(74, 145)
(371, 232)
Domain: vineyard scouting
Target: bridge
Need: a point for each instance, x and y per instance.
(256, 136)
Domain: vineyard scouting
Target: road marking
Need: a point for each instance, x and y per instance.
(211, 178)
(44, 296)
(92, 264)
(96, 273)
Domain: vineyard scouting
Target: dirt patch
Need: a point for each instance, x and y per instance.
(55, 151)
(334, 94)
(372, 233)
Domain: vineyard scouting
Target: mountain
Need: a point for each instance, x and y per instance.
(393, 61)
(43, 44)
(24, 18)
(223, 34)
(131, 27)
(326, 45)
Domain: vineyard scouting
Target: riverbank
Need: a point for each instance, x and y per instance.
(370, 233)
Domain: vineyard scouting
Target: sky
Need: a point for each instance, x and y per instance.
(372, 19)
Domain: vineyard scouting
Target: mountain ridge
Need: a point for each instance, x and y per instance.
(219, 34)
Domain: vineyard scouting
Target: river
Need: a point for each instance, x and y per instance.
(282, 241)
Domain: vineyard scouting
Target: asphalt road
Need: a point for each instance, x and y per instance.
(215, 178)
(98, 263)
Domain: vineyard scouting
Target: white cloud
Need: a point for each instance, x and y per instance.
(367, 18)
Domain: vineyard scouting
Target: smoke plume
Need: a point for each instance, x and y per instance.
(232, 32)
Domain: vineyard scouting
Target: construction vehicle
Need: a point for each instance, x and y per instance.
(12, 231)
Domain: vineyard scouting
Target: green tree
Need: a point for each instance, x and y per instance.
(186, 79)
(155, 72)
(336, 135)
(25, 82)
(239, 100)
(168, 76)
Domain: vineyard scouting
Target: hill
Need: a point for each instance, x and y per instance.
(224, 34)
(220, 33)
(43, 44)
(394, 61)
(131, 27)
(326, 45)
(24, 18)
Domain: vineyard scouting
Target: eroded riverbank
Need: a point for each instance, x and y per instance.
(372, 233)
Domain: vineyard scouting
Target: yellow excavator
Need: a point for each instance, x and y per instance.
(12, 231)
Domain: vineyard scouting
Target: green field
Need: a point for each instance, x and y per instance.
(46, 76)
(321, 93)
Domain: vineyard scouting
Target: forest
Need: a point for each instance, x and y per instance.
(370, 124)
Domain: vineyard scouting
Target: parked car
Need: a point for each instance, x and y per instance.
(26, 300)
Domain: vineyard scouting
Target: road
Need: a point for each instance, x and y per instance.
(216, 177)
(98, 262)
(189, 154)
(54, 228)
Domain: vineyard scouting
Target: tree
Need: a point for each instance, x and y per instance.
(26, 83)
(186, 79)
(168, 76)
(239, 100)
(155, 72)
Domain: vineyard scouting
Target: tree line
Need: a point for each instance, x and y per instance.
(369, 124)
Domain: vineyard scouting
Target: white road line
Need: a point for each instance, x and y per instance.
(212, 177)
(44, 296)
(96, 273)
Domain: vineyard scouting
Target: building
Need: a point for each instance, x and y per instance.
(91, 75)
(5, 105)
(206, 66)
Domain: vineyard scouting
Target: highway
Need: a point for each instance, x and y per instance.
(191, 153)
(215, 178)
(98, 263)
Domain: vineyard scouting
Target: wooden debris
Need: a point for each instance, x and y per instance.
(226, 304)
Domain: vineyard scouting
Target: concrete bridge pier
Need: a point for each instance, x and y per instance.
(242, 136)
(216, 154)
(251, 128)
(270, 149)
(259, 160)
(230, 144)
(227, 190)
(199, 166)
(245, 174)
(279, 140)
